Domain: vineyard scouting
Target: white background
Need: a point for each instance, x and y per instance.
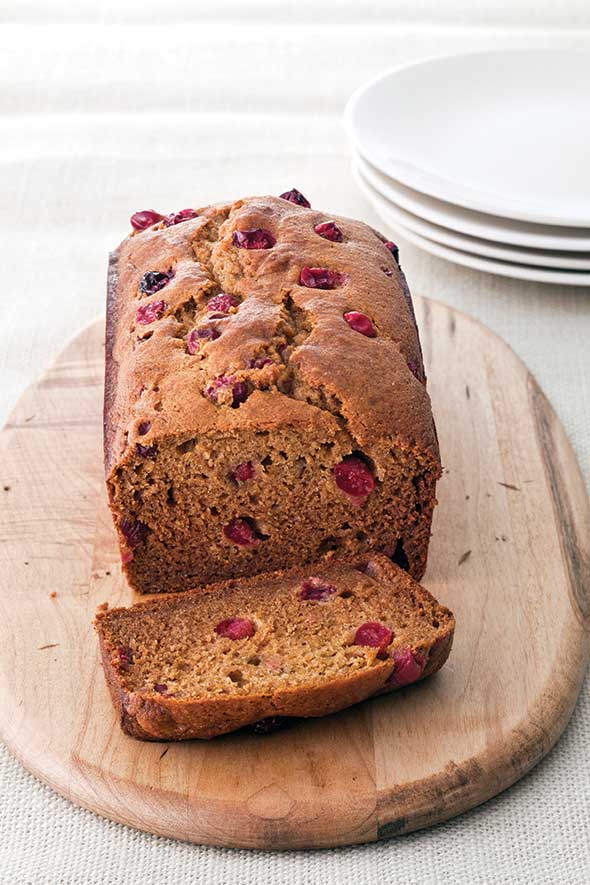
(110, 107)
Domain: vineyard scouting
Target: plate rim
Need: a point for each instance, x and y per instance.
(427, 183)
(465, 226)
(527, 259)
(502, 269)
(508, 269)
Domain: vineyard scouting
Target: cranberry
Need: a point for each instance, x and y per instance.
(239, 390)
(241, 532)
(147, 451)
(127, 555)
(409, 666)
(295, 196)
(161, 688)
(244, 472)
(125, 655)
(329, 230)
(236, 628)
(354, 477)
(393, 249)
(373, 634)
(144, 219)
(253, 239)
(387, 271)
(360, 322)
(321, 278)
(148, 313)
(223, 302)
(135, 532)
(154, 280)
(317, 590)
(198, 336)
(260, 362)
(217, 386)
(179, 217)
(144, 428)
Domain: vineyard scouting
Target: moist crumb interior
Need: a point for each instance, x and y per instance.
(298, 642)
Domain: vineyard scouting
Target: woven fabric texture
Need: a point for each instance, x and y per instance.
(111, 107)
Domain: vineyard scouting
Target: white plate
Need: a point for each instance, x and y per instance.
(487, 265)
(487, 227)
(503, 132)
(396, 215)
(502, 268)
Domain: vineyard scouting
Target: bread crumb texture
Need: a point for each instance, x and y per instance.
(304, 642)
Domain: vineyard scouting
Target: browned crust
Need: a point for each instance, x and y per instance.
(414, 424)
(153, 718)
(111, 365)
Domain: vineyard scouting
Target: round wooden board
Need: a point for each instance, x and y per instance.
(509, 555)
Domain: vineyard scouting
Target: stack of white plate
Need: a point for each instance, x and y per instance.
(483, 159)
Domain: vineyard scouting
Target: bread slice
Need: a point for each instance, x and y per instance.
(298, 643)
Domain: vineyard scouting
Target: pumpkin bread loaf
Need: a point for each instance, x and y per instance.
(298, 643)
(265, 395)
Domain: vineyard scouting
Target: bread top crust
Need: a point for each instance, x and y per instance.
(322, 376)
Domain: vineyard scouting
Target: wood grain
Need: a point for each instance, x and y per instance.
(509, 555)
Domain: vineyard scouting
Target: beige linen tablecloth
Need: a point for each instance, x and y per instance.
(110, 107)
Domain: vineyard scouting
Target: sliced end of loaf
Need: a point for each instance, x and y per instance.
(285, 644)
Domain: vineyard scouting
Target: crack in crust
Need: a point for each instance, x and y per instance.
(295, 328)
(294, 324)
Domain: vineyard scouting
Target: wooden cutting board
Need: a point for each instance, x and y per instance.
(509, 555)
